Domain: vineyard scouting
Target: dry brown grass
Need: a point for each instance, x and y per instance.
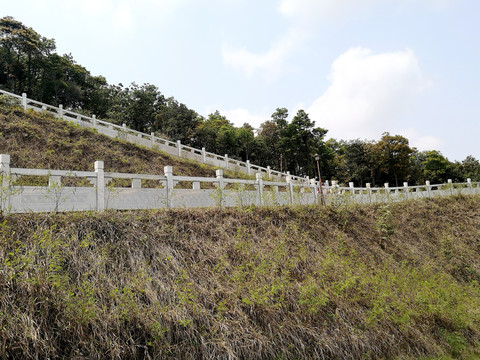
(39, 141)
(373, 282)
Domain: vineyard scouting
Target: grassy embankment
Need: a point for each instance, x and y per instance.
(38, 140)
(380, 281)
(383, 281)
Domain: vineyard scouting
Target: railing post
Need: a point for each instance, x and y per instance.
(60, 110)
(352, 187)
(152, 137)
(260, 188)
(313, 186)
(136, 183)
(179, 148)
(387, 189)
(94, 122)
(450, 185)
(405, 189)
(54, 181)
(269, 171)
(124, 127)
(369, 191)
(429, 188)
(290, 188)
(168, 171)
(219, 174)
(100, 185)
(204, 155)
(248, 167)
(5, 174)
(226, 161)
(469, 185)
(24, 101)
(220, 188)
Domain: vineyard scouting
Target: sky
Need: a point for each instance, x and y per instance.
(359, 68)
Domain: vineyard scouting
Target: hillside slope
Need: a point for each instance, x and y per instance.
(36, 140)
(363, 282)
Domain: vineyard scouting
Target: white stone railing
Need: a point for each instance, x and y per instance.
(99, 190)
(151, 141)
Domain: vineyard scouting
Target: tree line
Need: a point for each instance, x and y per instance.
(29, 63)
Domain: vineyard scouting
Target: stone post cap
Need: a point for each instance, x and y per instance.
(99, 165)
(5, 159)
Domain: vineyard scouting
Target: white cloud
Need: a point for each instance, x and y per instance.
(241, 116)
(422, 143)
(304, 14)
(369, 93)
(271, 63)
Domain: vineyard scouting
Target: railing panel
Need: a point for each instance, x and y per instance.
(26, 199)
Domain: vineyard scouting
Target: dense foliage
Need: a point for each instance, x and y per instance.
(28, 63)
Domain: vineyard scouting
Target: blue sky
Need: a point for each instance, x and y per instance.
(358, 67)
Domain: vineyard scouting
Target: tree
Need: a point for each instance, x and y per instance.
(416, 176)
(436, 167)
(392, 154)
(269, 139)
(62, 81)
(97, 96)
(226, 142)
(279, 117)
(22, 52)
(176, 121)
(208, 129)
(301, 140)
(357, 161)
(245, 141)
(143, 104)
(470, 169)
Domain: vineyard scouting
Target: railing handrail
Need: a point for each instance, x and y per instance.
(120, 175)
(15, 197)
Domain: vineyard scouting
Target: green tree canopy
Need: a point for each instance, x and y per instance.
(392, 154)
(436, 167)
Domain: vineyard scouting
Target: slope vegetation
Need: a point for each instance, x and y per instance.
(375, 282)
(393, 281)
(37, 140)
